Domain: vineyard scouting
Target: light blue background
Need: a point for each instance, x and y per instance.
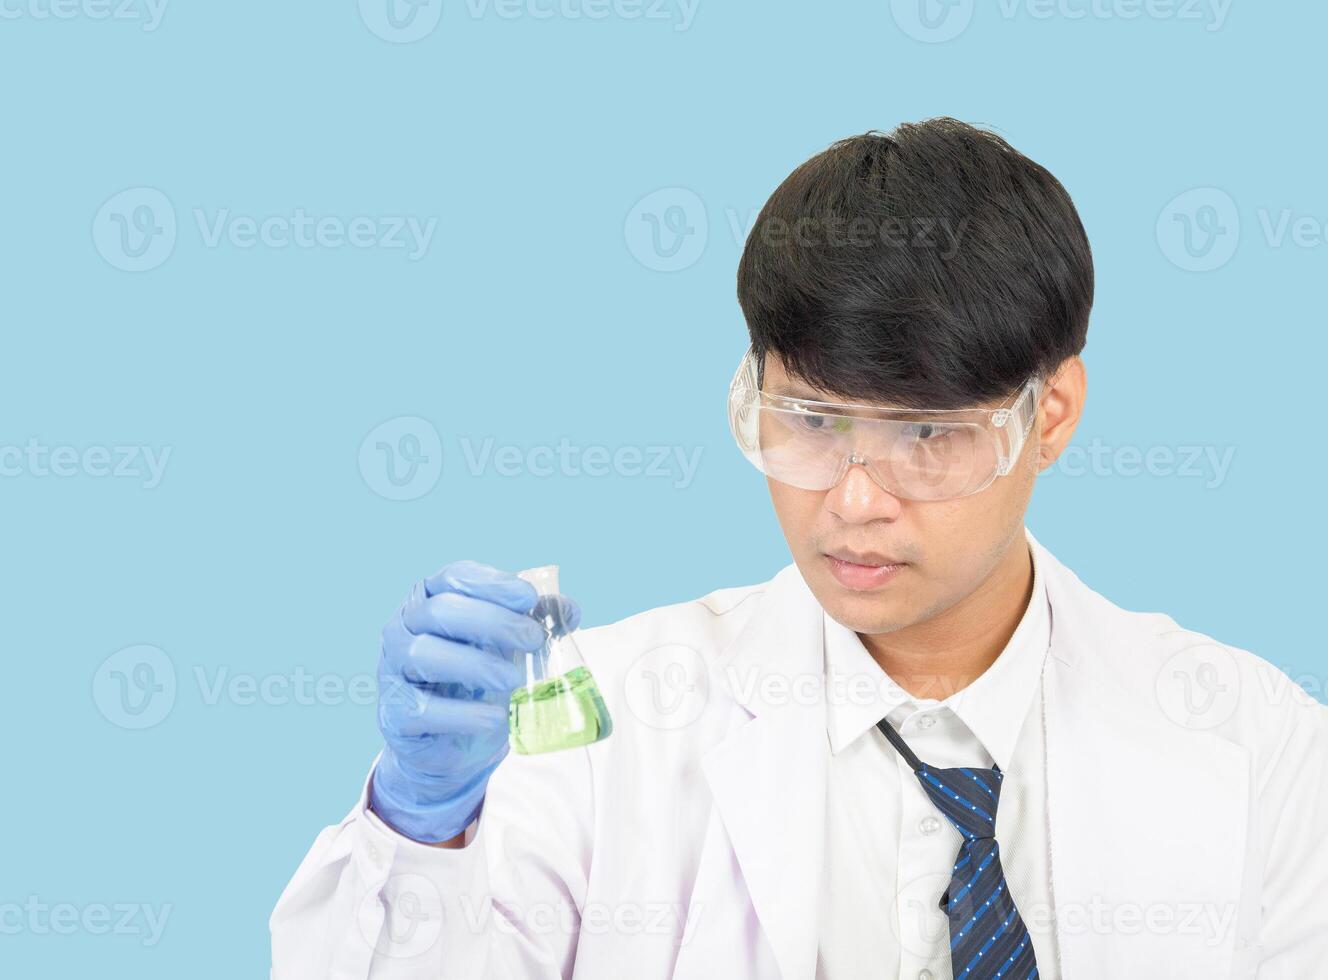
(538, 313)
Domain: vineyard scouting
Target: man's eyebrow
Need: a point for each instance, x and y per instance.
(792, 389)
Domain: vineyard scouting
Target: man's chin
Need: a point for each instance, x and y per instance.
(862, 612)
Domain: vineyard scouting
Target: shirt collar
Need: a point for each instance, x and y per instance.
(993, 707)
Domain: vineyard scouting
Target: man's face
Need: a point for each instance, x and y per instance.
(946, 548)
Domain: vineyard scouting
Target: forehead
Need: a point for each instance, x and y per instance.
(777, 381)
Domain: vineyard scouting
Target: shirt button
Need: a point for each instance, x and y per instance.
(925, 975)
(926, 721)
(929, 825)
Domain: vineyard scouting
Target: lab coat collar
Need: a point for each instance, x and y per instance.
(993, 707)
(858, 692)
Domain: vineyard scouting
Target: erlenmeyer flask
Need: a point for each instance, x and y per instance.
(559, 707)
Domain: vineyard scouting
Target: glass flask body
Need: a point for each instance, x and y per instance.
(559, 707)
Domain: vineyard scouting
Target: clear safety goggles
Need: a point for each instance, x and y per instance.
(915, 454)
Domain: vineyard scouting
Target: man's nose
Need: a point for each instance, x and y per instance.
(858, 498)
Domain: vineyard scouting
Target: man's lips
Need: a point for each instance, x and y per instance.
(870, 558)
(864, 573)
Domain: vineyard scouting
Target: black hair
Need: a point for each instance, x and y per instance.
(931, 267)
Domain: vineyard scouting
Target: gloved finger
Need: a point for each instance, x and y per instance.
(571, 612)
(409, 710)
(474, 621)
(396, 639)
(477, 674)
(482, 581)
(429, 659)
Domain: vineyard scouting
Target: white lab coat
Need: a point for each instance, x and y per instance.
(1187, 809)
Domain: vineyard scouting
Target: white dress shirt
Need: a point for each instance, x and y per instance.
(889, 851)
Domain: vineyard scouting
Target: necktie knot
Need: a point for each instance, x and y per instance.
(966, 795)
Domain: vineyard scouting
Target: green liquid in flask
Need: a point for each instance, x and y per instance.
(561, 713)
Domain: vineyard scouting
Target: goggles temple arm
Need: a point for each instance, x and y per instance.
(1015, 438)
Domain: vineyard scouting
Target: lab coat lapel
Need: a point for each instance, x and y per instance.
(1132, 797)
(767, 777)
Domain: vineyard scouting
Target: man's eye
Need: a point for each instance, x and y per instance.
(927, 431)
(824, 423)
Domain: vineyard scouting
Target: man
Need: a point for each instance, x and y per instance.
(923, 749)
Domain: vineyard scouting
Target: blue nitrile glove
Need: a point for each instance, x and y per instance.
(451, 657)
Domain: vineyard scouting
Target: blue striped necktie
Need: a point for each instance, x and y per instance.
(988, 939)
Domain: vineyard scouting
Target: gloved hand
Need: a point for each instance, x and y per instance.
(451, 657)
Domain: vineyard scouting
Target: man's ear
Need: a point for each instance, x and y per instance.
(1059, 409)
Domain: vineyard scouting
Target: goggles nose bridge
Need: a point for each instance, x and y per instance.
(851, 458)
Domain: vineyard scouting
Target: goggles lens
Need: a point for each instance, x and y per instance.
(925, 460)
(917, 455)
